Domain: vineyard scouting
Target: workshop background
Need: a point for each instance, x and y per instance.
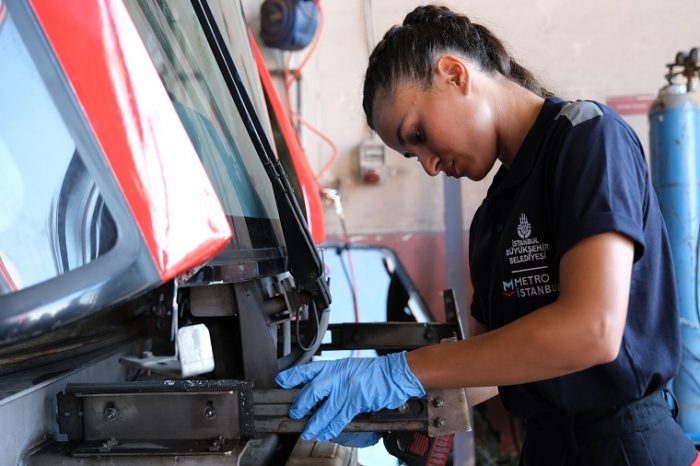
(580, 50)
(157, 269)
(612, 52)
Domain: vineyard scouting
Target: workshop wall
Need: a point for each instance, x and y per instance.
(581, 50)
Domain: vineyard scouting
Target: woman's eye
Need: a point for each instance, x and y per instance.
(417, 137)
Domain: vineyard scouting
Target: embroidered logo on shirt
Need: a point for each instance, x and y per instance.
(524, 227)
(528, 257)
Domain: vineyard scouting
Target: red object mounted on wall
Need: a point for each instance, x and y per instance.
(637, 104)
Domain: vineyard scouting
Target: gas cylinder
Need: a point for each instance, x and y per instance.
(674, 120)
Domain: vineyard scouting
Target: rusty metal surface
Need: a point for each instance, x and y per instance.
(272, 408)
(448, 411)
(172, 416)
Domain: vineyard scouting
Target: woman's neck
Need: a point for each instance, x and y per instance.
(516, 111)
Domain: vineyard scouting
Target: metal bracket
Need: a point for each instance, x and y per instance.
(157, 417)
(452, 314)
(272, 408)
(390, 336)
(190, 417)
(442, 412)
(448, 411)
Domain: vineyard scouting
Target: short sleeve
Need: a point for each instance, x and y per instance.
(599, 181)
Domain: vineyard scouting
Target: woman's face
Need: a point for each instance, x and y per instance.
(448, 128)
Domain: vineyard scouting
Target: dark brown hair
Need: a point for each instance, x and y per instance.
(407, 53)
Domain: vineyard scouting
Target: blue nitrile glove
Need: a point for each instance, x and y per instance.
(352, 386)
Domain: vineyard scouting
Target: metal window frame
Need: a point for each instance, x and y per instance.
(305, 262)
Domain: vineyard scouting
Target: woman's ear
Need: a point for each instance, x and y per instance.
(454, 71)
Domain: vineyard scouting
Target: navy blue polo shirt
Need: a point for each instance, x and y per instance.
(579, 172)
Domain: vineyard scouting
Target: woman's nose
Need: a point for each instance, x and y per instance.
(429, 161)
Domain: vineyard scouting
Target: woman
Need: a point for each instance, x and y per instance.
(572, 273)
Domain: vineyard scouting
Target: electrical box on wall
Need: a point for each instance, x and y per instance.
(372, 166)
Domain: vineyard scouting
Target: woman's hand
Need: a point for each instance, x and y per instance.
(351, 386)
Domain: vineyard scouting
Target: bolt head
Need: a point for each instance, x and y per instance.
(209, 412)
(440, 422)
(438, 402)
(110, 414)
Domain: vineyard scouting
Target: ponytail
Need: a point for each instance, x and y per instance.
(407, 53)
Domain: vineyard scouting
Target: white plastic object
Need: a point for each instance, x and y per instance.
(195, 350)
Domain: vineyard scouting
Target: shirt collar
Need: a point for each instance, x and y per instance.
(527, 153)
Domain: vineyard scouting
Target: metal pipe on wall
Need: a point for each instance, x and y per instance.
(457, 280)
